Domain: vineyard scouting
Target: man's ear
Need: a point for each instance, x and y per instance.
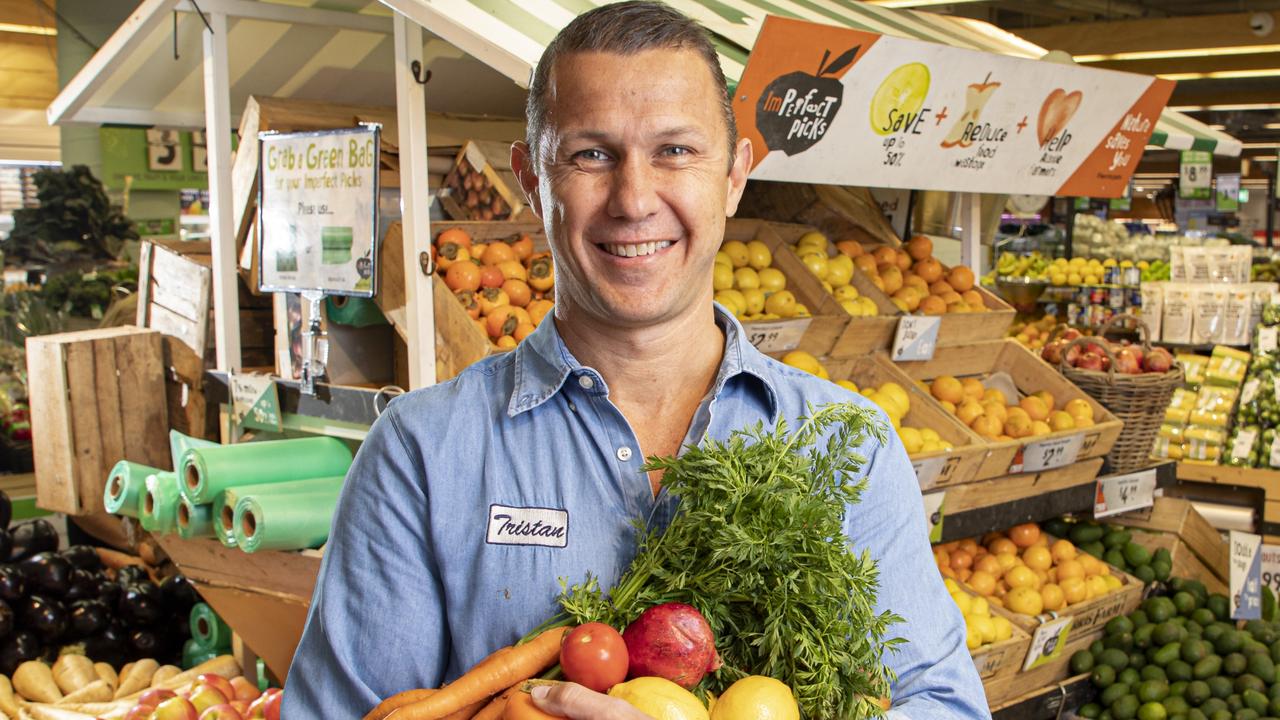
(522, 163)
(737, 180)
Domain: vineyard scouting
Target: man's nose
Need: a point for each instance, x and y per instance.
(634, 192)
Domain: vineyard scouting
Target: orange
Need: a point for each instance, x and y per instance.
(996, 410)
(1002, 545)
(1040, 427)
(1063, 551)
(1096, 586)
(1015, 411)
(968, 545)
(929, 270)
(1052, 597)
(1079, 408)
(1090, 564)
(941, 557)
(1047, 397)
(1073, 589)
(982, 583)
(973, 298)
(852, 248)
(1008, 561)
(1024, 535)
(961, 560)
(933, 305)
(892, 278)
(940, 287)
(865, 263)
(1020, 576)
(986, 426)
(1035, 407)
(946, 387)
(885, 255)
(1024, 600)
(973, 389)
(903, 260)
(911, 279)
(1017, 426)
(994, 395)
(960, 278)
(1037, 558)
(949, 407)
(1061, 420)
(919, 247)
(909, 296)
(990, 565)
(968, 411)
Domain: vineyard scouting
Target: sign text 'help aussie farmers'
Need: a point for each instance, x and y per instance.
(825, 104)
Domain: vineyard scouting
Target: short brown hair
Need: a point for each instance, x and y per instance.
(625, 28)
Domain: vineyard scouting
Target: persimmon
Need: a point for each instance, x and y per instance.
(512, 269)
(463, 276)
(491, 299)
(498, 253)
(502, 321)
(450, 253)
(491, 277)
(541, 274)
(523, 330)
(518, 291)
(453, 235)
(538, 309)
(468, 300)
(523, 248)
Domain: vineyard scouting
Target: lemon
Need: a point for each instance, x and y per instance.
(1004, 628)
(755, 301)
(929, 434)
(733, 301)
(911, 440)
(722, 277)
(771, 280)
(660, 699)
(980, 607)
(847, 292)
(758, 698)
(812, 241)
(899, 394)
(758, 255)
(745, 278)
(847, 385)
(737, 252)
(802, 360)
(901, 93)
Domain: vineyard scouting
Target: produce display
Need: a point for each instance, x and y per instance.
(1033, 334)
(1253, 441)
(990, 414)
(1099, 354)
(1025, 570)
(506, 288)
(1094, 237)
(915, 280)
(1114, 545)
(1181, 656)
(748, 285)
(981, 626)
(698, 613)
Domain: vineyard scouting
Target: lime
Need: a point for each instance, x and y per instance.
(901, 93)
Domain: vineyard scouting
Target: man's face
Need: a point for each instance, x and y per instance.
(633, 184)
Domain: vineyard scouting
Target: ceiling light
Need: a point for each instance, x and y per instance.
(1271, 126)
(1262, 145)
(1217, 127)
(1223, 74)
(919, 3)
(27, 29)
(1264, 158)
(1236, 106)
(1154, 175)
(1179, 53)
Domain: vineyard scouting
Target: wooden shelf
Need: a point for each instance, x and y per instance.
(1048, 703)
(338, 403)
(1265, 480)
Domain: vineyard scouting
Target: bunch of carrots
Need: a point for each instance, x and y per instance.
(492, 690)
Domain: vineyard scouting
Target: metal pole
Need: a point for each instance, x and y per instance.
(1272, 206)
(217, 113)
(415, 201)
(971, 231)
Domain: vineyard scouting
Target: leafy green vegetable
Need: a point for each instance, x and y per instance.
(75, 220)
(758, 546)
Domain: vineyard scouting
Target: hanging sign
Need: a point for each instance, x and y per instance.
(1048, 644)
(1121, 493)
(1271, 567)
(775, 336)
(825, 104)
(1195, 175)
(255, 402)
(916, 337)
(1228, 193)
(1124, 203)
(934, 513)
(1246, 576)
(318, 211)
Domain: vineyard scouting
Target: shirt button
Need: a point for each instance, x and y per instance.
(624, 453)
(585, 382)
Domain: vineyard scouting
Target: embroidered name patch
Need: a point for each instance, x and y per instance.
(547, 527)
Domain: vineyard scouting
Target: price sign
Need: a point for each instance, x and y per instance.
(1121, 493)
(1050, 454)
(1271, 567)
(929, 471)
(1195, 174)
(255, 402)
(1267, 339)
(933, 514)
(1243, 443)
(1048, 643)
(916, 338)
(777, 336)
(1274, 460)
(1250, 390)
(1246, 576)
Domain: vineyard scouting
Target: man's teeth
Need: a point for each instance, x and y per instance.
(636, 250)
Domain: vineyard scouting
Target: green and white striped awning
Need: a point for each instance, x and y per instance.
(510, 36)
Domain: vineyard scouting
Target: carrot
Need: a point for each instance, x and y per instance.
(520, 707)
(494, 710)
(397, 701)
(468, 712)
(488, 677)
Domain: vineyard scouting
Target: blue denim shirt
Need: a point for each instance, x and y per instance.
(470, 500)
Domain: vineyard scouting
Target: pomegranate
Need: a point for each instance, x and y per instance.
(1052, 353)
(1073, 356)
(671, 641)
(1070, 334)
(1090, 361)
(1158, 361)
(1127, 362)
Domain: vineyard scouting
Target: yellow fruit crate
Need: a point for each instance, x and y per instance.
(1004, 687)
(936, 468)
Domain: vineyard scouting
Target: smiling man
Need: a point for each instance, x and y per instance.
(470, 500)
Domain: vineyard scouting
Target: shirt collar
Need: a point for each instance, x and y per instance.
(543, 363)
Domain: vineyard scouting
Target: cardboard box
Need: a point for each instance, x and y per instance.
(1029, 374)
(1179, 517)
(97, 397)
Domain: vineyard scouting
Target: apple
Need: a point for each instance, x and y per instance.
(1158, 361)
(268, 705)
(153, 697)
(244, 690)
(205, 696)
(224, 711)
(1052, 353)
(218, 682)
(241, 706)
(1070, 334)
(1073, 355)
(139, 712)
(175, 708)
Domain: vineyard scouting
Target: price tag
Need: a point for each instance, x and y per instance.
(1267, 339)
(1250, 390)
(775, 336)
(255, 402)
(1050, 454)
(1048, 643)
(1195, 174)
(1246, 576)
(933, 514)
(1243, 443)
(1271, 567)
(1275, 453)
(916, 338)
(1121, 493)
(929, 470)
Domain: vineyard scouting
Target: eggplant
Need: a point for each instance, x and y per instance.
(6, 511)
(83, 557)
(179, 593)
(89, 617)
(47, 573)
(7, 619)
(17, 649)
(131, 575)
(6, 544)
(46, 617)
(83, 585)
(141, 605)
(144, 643)
(107, 646)
(13, 583)
(33, 537)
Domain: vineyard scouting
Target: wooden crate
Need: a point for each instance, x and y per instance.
(1030, 374)
(992, 492)
(1092, 614)
(1001, 659)
(1003, 688)
(496, 196)
(841, 213)
(967, 328)
(174, 291)
(1185, 562)
(1179, 517)
(97, 397)
(935, 469)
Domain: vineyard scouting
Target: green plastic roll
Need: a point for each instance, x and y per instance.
(353, 311)
(208, 471)
(283, 522)
(194, 521)
(158, 509)
(190, 651)
(179, 444)
(224, 505)
(125, 486)
(335, 245)
(208, 630)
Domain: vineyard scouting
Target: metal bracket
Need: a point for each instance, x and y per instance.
(421, 76)
(315, 346)
(427, 264)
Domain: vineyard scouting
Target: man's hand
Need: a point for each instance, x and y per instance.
(578, 703)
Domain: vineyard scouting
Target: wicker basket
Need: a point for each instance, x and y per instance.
(1138, 400)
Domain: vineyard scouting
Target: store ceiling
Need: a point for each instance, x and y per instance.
(28, 49)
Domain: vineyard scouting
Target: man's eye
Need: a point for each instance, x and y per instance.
(592, 155)
(677, 151)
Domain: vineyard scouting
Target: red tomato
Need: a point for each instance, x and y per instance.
(594, 655)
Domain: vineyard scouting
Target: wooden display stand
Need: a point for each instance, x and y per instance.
(1178, 519)
(1005, 688)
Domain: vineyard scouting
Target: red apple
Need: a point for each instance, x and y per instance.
(175, 708)
(218, 682)
(153, 697)
(244, 690)
(1052, 353)
(1073, 356)
(272, 709)
(1070, 334)
(224, 711)
(205, 696)
(139, 712)
(1158, 361)
(241, 706)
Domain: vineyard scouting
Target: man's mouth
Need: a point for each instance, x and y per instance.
(635, 249)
